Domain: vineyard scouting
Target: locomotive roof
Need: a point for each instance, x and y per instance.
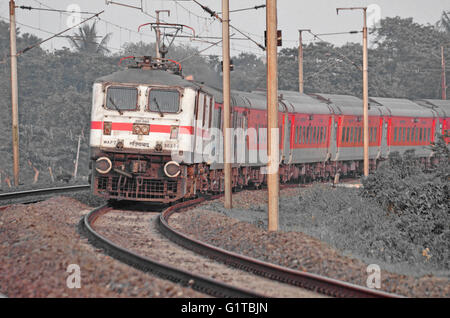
(402, 107)
(148, 77)
(442, 106)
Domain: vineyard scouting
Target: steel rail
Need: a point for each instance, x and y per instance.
(33, 195)
(313, 282)
(25, 193)
(197, 282)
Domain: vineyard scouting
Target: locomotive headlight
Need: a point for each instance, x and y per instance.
(107, 128)
(103, 165)
(173, 132)
(141, 129)
(172, 169)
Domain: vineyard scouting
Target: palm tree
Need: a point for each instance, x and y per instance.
(444, 23)
(85, 40)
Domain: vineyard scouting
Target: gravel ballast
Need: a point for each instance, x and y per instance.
(38, 243)
(242, 230)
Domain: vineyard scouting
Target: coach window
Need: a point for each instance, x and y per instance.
(121, 98)
(395, 134)
(375, 137)
(164, 100)
(343, 134)
(420, 134)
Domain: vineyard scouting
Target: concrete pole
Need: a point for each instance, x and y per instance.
(365, 89)
(14, 92)
(365, 97)
(226, 102)
(443, 79)
(272, 116)
(158, 35)
(300, 61)
(158, 32)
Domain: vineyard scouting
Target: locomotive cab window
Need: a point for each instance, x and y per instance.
(121, 98)
(164, 101)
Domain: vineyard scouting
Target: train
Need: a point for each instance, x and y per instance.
(158, 136)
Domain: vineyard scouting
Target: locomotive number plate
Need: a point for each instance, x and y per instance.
(170, 144)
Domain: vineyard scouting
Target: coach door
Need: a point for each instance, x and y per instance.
(198, 126)
(285, 133)
(207, 119)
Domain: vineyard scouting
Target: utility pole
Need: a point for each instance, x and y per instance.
(158, 32)
(443, 79)
(14, 91)
(300, 60)
(365, 89)
(226, 101)
(272, 116)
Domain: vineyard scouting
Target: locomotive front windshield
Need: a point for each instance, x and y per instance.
(121, 98)
(164, 100)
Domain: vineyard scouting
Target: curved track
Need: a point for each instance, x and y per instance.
(313, 282)
(196, 282)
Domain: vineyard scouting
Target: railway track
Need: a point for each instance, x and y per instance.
(197, 282)
(32, 196)
(315, 283)
(319, 284)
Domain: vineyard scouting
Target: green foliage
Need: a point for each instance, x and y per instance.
(418, 197)
(85, 40)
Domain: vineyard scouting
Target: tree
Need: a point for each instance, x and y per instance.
(444, 23)
(85, 41)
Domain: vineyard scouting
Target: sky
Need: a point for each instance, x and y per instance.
(318, 15)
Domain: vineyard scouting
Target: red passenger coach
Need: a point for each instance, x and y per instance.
(156, 136)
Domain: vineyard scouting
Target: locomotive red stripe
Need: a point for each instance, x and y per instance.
(165, 129)
(96, 125)
(122, 126)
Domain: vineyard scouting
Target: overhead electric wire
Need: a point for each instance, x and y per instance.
(215, 15)
(337, 33)
(52, 10)
(338, 53)
(55, 35)
(246, 9)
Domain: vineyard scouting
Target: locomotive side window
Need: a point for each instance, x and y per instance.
(164, 100)
(121, 98)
